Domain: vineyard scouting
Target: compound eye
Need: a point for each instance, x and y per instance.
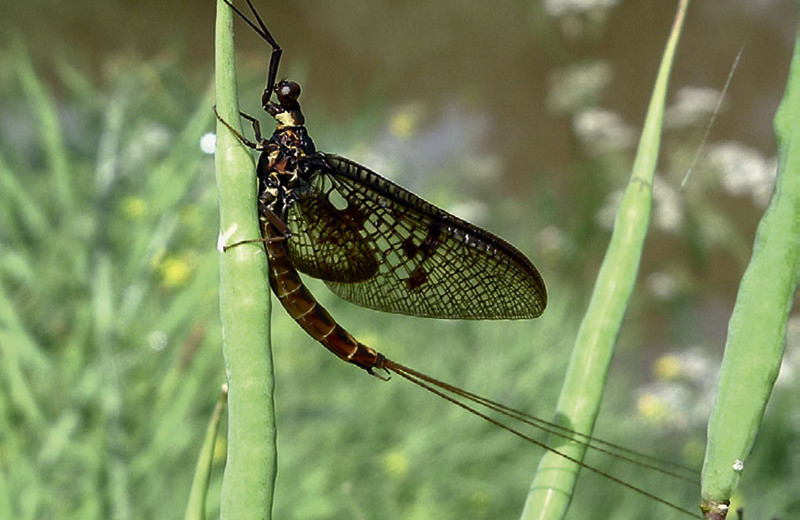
(288, 92)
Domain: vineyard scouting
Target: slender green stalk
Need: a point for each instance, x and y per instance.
(757, 329)
(249, 479)
(6, 509)
(52, 136)
(104, 309)
(116, 471)
(552, 487)
(196, 505)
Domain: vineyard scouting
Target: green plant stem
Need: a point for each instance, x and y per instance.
(553, 485)
(757, 329)
(52, 136)
(248, 483)
(196, 505)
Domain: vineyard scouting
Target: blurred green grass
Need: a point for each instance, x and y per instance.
(110, 340)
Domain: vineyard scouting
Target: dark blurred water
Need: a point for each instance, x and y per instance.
(531, 109)
(500, 56)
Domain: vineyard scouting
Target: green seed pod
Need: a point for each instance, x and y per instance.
(757, 329)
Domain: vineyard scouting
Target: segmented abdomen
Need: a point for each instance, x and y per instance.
(307, 312)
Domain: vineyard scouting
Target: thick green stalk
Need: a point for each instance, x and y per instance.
(248, 484)
(757, 329)
(553, 485)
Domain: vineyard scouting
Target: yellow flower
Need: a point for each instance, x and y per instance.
(404, 122)
(652, 408)
(667, 367)
(134, 207)
(174, 272)
(395, 464)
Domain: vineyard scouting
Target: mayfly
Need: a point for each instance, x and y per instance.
(378, 245)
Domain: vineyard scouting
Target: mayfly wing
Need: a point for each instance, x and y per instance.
(324, 243)
(429, 262)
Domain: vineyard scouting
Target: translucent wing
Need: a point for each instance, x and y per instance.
(324, 242)
(427, 261)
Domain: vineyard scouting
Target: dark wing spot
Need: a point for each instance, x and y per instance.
(355, 216)
(396, 214)
(409, 248)
(417, 279)
(432, 240)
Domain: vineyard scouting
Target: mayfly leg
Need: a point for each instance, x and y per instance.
(275, 57)
(258, 144)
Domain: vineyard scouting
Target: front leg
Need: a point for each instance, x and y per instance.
(259, 144)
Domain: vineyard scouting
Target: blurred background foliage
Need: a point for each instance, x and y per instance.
(522, 118)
